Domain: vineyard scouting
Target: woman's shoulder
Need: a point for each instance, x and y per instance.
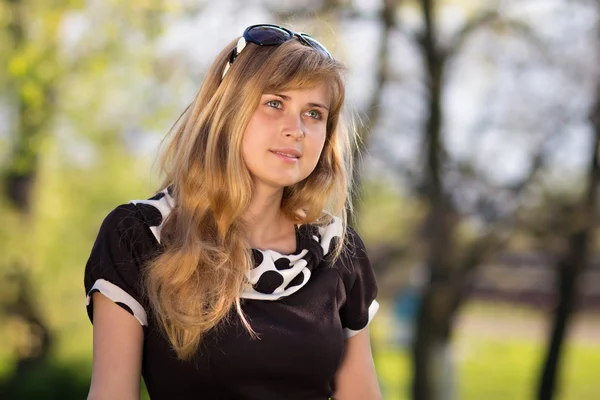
(123, 245)
(148, 214)
(121, 219)
(353, 256)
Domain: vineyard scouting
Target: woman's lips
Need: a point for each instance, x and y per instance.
(285, 158)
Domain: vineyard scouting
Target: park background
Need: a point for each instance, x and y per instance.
(480, 124)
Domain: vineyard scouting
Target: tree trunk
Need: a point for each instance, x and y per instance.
(432, 334)
(572, 265)
(435, 315)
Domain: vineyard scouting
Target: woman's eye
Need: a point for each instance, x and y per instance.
(315, 114)
(274, 103)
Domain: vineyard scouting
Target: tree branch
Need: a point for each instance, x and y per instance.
(488, 19)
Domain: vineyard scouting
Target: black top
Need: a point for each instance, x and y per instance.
(302, 307)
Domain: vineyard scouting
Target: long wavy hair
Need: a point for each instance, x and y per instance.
(195, 283)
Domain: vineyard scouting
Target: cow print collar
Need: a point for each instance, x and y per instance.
(274, 275)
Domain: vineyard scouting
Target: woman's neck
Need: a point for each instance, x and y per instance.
(267, 226)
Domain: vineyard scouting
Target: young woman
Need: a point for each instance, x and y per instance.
(240, 278)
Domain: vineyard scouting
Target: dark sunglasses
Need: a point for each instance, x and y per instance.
(272, 35)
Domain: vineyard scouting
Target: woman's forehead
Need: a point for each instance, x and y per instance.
(321, 89)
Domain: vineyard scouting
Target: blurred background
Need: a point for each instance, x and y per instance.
(479, 176)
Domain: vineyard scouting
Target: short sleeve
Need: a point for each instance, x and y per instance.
(360, 286)
(114, 267)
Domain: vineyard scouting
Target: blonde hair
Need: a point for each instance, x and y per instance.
(196, 281)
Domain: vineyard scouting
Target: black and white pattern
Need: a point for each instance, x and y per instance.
(276, 275)
(120, 297)
(373, 308)
(155, 210)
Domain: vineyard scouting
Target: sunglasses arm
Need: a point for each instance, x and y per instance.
(241, 44)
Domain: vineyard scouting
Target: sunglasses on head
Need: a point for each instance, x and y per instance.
(272, 35)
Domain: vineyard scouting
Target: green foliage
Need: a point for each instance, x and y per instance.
(70, 130)
(51, 380)
(385, 215)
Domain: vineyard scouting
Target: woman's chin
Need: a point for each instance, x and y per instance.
(277, 182)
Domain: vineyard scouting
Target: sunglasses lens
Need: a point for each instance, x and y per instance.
(268, 35)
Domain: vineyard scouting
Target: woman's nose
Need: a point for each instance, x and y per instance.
(294, 127)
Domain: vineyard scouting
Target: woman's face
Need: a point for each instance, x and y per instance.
(285, 136)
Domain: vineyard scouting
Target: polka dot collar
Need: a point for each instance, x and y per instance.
(275, 275)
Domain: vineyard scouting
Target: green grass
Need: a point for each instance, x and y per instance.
(499, 370)
(496, 366)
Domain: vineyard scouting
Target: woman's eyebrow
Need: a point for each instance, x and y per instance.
(318, 105)
(283, 96)
(287, 98)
